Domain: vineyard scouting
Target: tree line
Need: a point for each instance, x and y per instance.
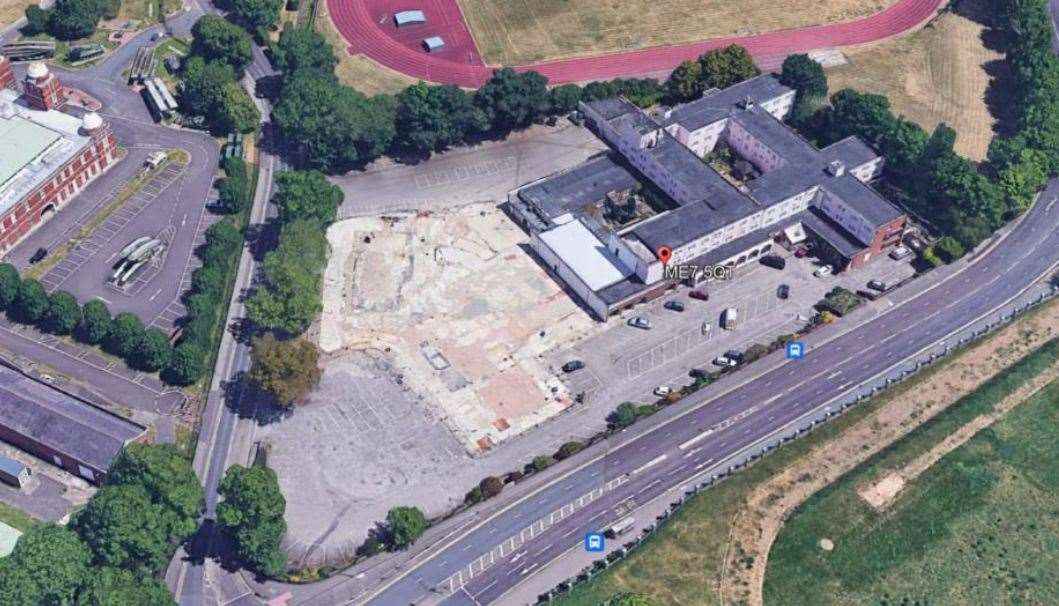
(115, 549)
(334, 127)
(69, 19)
(124, 335)
(220, 52)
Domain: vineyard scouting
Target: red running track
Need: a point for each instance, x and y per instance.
(368, 26)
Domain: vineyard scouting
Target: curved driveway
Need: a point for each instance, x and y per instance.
(645, 464)
(358, 25)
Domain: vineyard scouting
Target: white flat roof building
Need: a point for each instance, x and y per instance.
(433, 43)
(585, 255)
(409, 18)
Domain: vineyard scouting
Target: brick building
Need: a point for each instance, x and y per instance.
(46, 156)
(61, 429)
(779, 187)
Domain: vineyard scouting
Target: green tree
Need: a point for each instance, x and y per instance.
(252, 514)
(405, 525)
(307, 195)
(235, 111)
(48, 566)
(568, 449)
(491, 486)
(334, 126)
(168, 479)
(540, 463)
(624, 415)
(513, 100)
(564, 98)
(233, 194)
(807, 78)
(116, 587)
(949, 249)
(291, 296)
(431, 118)
(204, 83)
(94, 323)
(186, 365)
(62, 315)
(125, 333)
(153, 352)
(723, 67)
(37, 21)
(31, 304)
(223, 241)
(73, 19)
(865, 115)
(288, 370)
(302, 48)
(123, 528)
(10, 284)
(686, 82)
(215, 38)
(256, 15)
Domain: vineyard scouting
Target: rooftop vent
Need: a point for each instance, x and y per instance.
(836, 168)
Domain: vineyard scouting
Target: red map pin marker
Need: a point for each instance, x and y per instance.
(664, 254)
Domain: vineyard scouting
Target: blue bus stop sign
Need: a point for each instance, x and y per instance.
(594, 542)
(795, 350)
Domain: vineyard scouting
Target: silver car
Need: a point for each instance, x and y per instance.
(640, 322)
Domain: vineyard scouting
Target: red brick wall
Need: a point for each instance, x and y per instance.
(26, 215)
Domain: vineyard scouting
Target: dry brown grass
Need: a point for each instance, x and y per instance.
(12, 10)
(512, 32)
(358, 71)
(934, 75)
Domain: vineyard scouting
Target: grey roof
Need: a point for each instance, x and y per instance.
(851, 151)
(572, 190)
(406, 17)
(715, 103)
(878, 211)
(844, 242)
(619, 291)
(726, 250)
(635, 120)
(61, 422)
(613, 107)
(678, 227)
(10, 466)
(776, 135)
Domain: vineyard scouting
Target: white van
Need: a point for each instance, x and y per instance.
(729, 318)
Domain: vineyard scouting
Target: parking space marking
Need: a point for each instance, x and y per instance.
(462, 173)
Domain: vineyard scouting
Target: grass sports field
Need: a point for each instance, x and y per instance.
(683, 563)
(981, 526)
(938, 74)
(514, 32)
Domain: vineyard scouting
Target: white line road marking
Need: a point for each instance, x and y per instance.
(651, 463)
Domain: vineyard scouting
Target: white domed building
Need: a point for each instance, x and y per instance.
(46, 156)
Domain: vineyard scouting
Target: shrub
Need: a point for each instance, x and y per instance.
(568, 450)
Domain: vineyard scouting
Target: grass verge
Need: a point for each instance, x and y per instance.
(16, 518)
(979, 526)
(358, 71)
(683, 563)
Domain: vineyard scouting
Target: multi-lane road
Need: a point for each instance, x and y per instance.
(481, 564)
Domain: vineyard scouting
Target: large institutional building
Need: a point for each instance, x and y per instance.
(46, 156)
(600, 225)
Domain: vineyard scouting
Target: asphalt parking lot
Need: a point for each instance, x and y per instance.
(627, 363)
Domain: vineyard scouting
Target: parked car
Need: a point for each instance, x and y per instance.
(801, 252)
(899, 253)
(783, 291)
(729, 318)
(774, 261)
(573, 365)
(663, 391)
(640, 322)
(699, 373)
(878, 285)
(38, 256)
(674, 305)
(699, 294)
(724, 361)
(734, 355)
(823, 271)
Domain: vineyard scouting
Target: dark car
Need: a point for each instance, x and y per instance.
(573, 365)
(734, 355)
(783, 291)
(674, 305)
(699, 373)
(701, 295)
(774, 261)
(878, 285)
(38, 256)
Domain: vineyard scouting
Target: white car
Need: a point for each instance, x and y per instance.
(724, 361)
(663, 391)
(901, 252)
(823, 271)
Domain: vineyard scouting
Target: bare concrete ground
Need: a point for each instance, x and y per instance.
(461, 311)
